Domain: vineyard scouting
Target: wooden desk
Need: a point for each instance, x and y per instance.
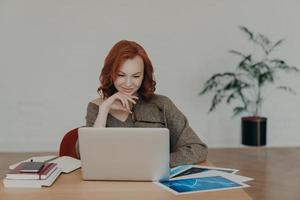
(276, 171)
(71, 186)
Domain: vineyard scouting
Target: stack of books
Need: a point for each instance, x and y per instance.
(16, 177)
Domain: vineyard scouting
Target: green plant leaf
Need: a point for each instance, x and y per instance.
(265, 77)
(278, 61)
(288, 68)
(231, 97)
(237, 53)
(238, 110)
(209, 85)
(281, 64)
(263, 42)
(247, 31)
(245, 64)
(279, 42)
(215, 82)
(231, 85)
(216, 100)
(287, 89)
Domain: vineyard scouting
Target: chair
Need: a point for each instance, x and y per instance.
(68, 144)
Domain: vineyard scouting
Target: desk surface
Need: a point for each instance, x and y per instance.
(275, 171)
(71, 186)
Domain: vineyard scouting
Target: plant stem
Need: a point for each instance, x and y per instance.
(258, 100)
(243, 100)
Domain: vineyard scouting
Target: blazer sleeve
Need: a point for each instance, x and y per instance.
(186, 146)
(91, 114)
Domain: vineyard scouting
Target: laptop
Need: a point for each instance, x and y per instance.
(125, 154)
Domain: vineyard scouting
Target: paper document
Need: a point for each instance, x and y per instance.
(186, 179)
(202, 184)
(67, 164)
(209, 173)
(178, 169)
(185, 170)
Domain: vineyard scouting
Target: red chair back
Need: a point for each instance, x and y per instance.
(68, 144)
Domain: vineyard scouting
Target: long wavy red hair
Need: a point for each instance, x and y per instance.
(120, 52)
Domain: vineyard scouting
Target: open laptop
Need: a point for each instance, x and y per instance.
(131, 154)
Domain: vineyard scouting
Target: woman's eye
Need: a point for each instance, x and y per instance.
(121, 75)
(136, 76)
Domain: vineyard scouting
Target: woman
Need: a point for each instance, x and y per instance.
(127, 99)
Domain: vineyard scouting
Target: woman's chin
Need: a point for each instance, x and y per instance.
(127, 93)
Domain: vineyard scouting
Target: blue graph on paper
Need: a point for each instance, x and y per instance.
(198, 184)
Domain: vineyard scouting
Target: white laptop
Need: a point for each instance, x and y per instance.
(131, 154)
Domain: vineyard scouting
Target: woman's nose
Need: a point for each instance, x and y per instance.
(128, 82)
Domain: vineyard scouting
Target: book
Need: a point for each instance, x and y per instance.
(65, 163)
(35, 159)
(32, 167)
(17, 173)
(32, 183)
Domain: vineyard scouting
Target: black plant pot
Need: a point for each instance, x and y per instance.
(254, 131)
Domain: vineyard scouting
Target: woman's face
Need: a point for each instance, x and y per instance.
(130, 76)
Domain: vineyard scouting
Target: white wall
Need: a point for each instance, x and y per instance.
(52, 53)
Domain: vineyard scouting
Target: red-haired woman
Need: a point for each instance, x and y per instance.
(127, 99)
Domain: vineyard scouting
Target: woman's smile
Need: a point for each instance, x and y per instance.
(127, 90)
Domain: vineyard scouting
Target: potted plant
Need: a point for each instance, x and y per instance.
(245, 84)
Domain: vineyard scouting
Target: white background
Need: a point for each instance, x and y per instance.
(51, 54)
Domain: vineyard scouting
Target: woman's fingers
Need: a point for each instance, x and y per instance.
(121, 101)
(124, 101)
(127, 104)
(130, 98)
(134, 97)
(119, 97)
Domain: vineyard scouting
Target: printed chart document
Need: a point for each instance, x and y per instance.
(202, 184)
(196, 178)
(230, 176)
(185, 170)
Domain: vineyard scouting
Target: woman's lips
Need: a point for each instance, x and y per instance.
(127, 90)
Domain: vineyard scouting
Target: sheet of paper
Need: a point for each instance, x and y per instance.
(185, 170)
(67, 164)
(211, 173)
(178, 169)
(201, 184)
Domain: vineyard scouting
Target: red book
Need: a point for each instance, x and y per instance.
(44, 173)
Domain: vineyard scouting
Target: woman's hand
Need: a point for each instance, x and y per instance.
(118, 101)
